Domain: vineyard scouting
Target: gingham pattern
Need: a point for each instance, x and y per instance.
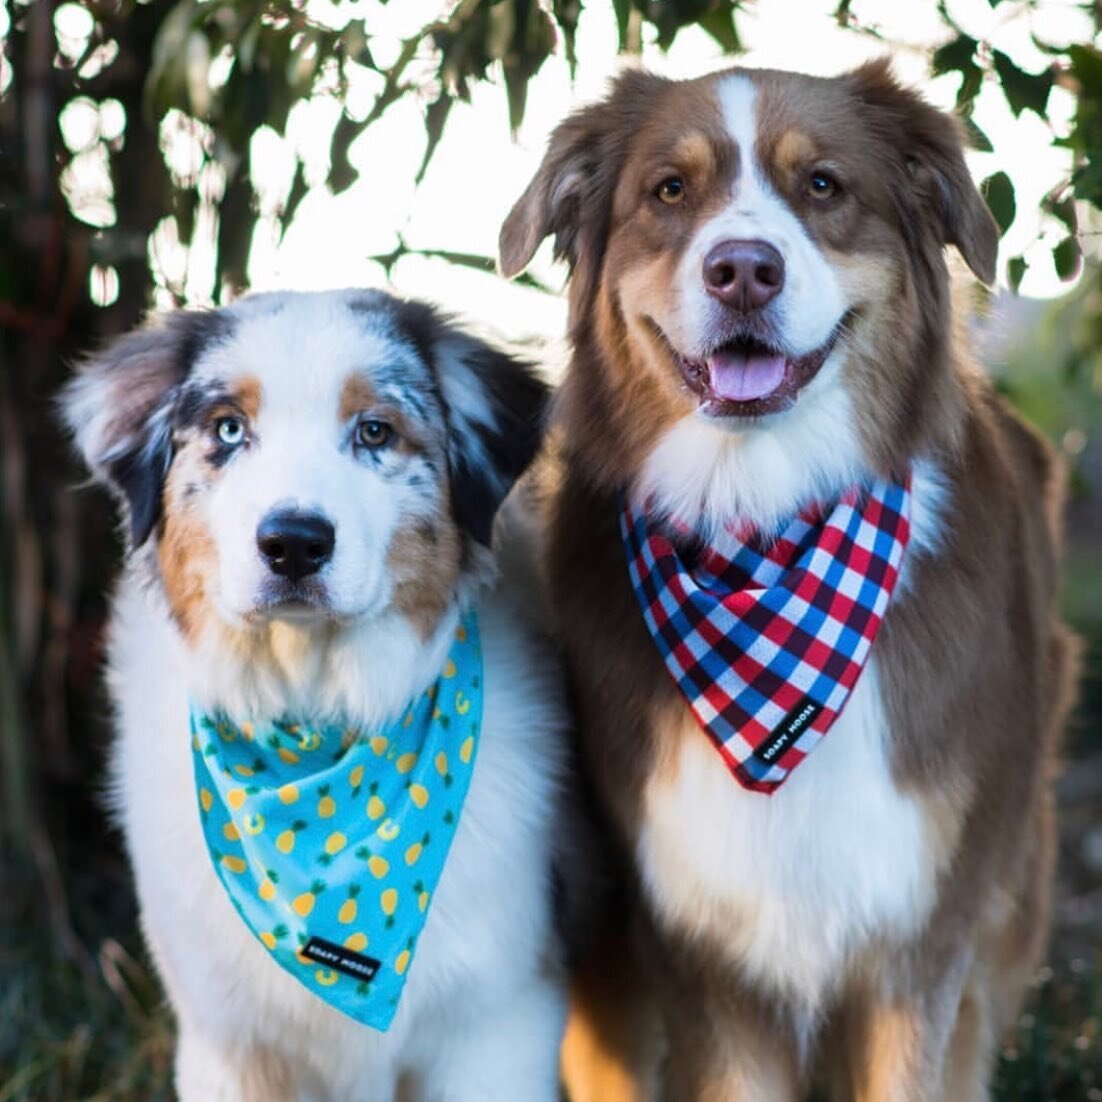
(749, 629)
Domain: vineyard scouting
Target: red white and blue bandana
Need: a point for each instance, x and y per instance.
(766, 637)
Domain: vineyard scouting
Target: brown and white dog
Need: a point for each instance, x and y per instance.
(871, 926)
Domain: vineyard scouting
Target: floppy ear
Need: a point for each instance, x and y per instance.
(496, 407)
(573, 186)
(932, 146)
(119, 409)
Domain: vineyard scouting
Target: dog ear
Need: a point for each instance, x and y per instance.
(119, 409)
(496, 408)
(573, 186)
(931, 144)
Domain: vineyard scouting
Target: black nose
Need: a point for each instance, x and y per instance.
(295, 545)
(745, 275)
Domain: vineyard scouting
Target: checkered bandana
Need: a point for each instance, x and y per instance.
(765, 638)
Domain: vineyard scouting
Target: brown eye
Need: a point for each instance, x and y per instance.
(671, 190)
(373, 434)
(822, 186)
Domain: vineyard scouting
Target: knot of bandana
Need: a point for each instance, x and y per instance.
(330, 841)
(765, 638)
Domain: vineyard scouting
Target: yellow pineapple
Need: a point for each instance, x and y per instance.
(379, 866)
(288, 756)
(378, 744)
(401, 962)
(405, 763)
(419, 794)
(244, 771)
(388, 900)
(235, 798)
(349, 907)
(288, 793)
(327, 806)
(376, 809)
(466, 750)
(441, 763)
(234, 864)
(285, 841)
(356, 776)
(303, 905)
(450, 669)
(335, 843)
(229, 832)
(266, 889)
(356, 942)
(413, 853)
(206, 800)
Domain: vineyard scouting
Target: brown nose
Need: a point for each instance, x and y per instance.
(745, 275)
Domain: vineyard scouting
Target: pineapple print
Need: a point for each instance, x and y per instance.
(266, 889)
(303, 905)
(350, 906)
(288, 793)
(356, 942)
(285, 841)
(327, 806)
(413, 853)
(376, 809)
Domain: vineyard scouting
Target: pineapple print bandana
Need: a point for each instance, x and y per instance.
(330, 841)
(766, 636)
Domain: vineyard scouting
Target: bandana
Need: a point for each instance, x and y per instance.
(330, 841)
(766, 637)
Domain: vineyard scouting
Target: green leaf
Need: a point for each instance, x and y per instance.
(1066, 257)
(976, 137)
(622, 8)
(1086, 64)
(341, 173)
(436, 115)
(720, 24)
(956, 55)
(1023, 91)
(1015, 270)
(998, 192)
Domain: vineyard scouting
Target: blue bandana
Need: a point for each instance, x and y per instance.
(330, 841)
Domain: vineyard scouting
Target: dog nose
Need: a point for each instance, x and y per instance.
(295, 545)
(745, 275)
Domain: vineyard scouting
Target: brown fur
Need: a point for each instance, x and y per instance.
(975, 666)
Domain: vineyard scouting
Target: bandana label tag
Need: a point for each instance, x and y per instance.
(343, 960)
(789, 730)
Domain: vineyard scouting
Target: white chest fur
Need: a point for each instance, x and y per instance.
(789, 885)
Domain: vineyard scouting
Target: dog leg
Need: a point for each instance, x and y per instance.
(210, 1073)
(510, 1053)
(897, 1046)
(734, 1053)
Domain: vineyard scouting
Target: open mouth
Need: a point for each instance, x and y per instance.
(746, 377)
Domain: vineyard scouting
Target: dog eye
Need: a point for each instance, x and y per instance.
(230, 431)
(373, 434)
(671, 190)
(822, 186)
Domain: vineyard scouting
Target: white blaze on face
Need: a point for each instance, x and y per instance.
(811, 304)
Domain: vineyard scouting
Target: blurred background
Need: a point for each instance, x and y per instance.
(180, 152)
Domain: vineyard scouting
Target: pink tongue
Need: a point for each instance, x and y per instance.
(742, 378)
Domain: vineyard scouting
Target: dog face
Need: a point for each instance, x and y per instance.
(307, 457)
(757, 246)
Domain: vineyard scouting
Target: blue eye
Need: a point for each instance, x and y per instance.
(822, 186)
(230, 431)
